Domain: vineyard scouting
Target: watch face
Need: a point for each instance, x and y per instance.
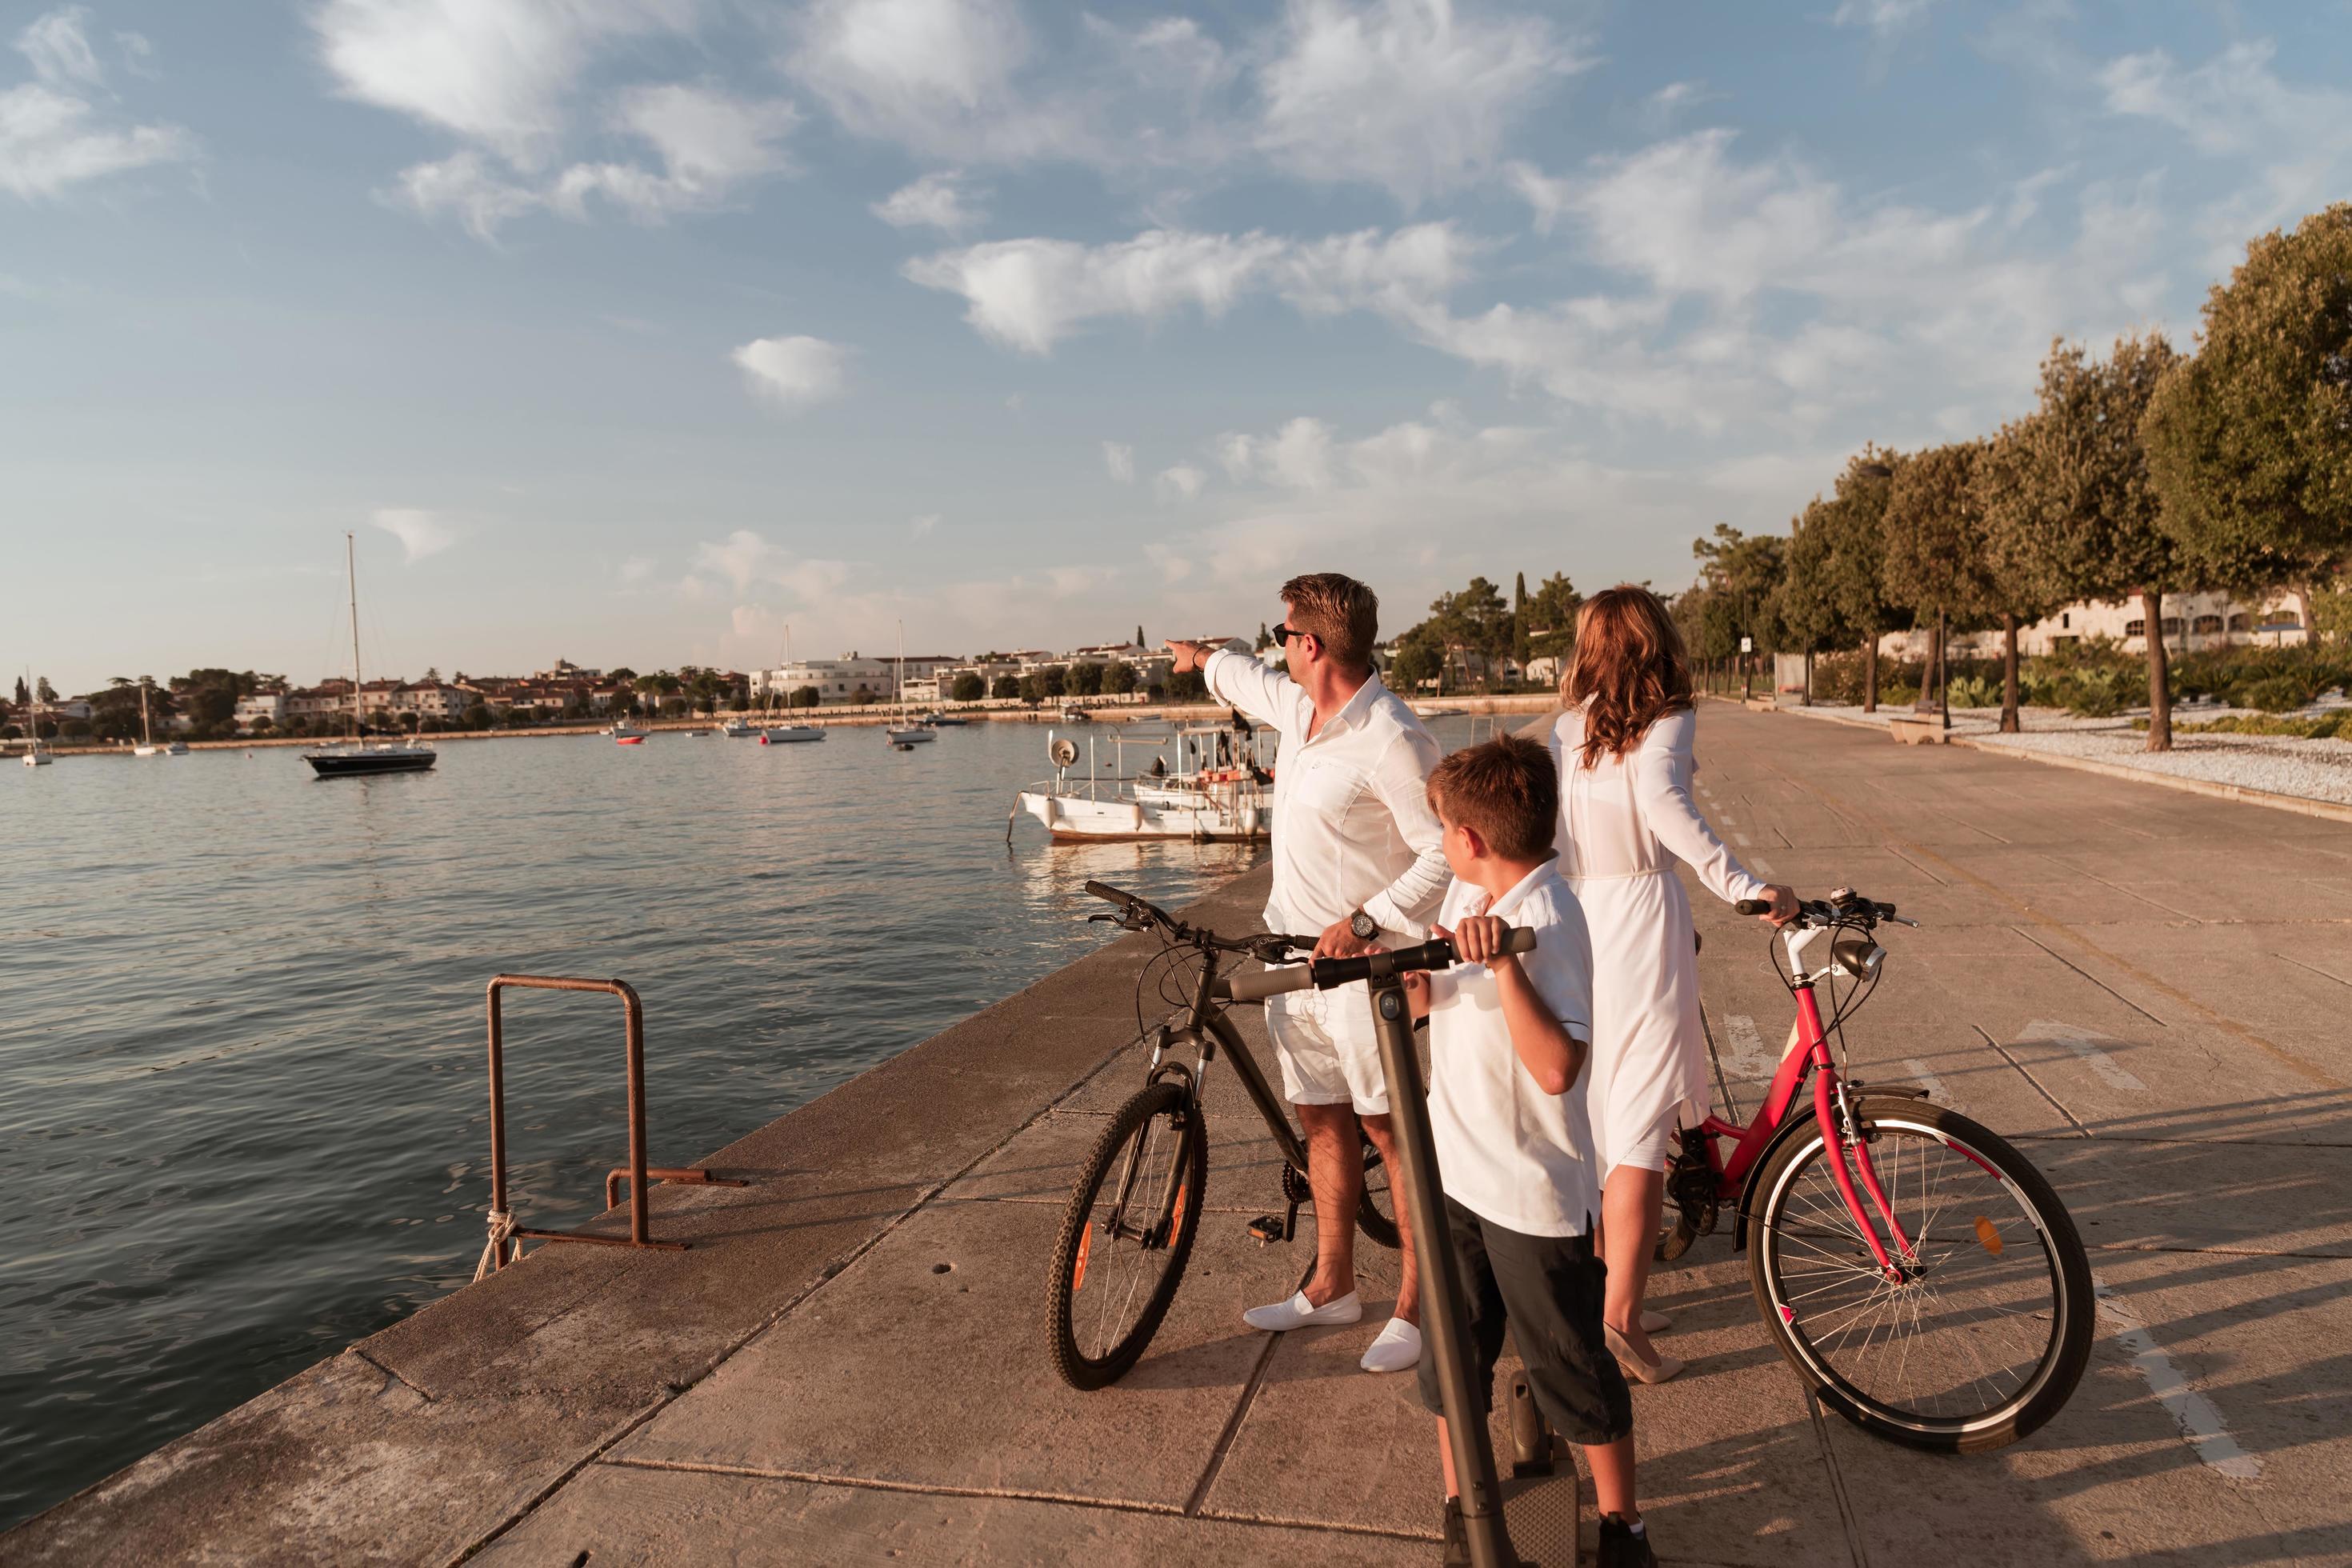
(1363, 926)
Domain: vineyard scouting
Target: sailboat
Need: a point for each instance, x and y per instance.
(359, 759)
(903, 733)
(773, 733)
(146, 746)
(36, 751)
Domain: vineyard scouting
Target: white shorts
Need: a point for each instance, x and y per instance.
(1330, 1051)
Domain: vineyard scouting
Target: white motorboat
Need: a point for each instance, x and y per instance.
(629, 735)
(176, 749)
(1221, 787)
(779, 735)
(736, 730)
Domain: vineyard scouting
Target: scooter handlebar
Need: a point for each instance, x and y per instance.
(1324, 973)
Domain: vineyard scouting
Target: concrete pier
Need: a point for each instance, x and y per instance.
(2144, 990)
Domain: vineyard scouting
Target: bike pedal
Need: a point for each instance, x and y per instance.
(1266, 1229)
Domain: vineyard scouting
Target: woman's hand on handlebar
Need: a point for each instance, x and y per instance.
(1781, 905)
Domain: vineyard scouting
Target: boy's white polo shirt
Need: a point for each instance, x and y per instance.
(1507, 1151)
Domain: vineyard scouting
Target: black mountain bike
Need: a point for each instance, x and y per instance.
(1129, 1230)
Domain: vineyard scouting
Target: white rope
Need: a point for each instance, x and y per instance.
(493, 1251)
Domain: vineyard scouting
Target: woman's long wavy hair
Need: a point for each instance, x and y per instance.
(1629, 669)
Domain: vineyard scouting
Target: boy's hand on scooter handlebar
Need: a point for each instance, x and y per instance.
(1479, 940)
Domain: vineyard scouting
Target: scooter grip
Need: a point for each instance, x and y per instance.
(1265, 982)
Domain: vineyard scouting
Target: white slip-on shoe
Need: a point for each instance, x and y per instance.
(1397, 1348)
(1299, 1314)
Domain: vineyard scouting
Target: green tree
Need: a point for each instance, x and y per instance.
(2098, 531)
(1741, 575)
(2250, 442)
(1522, 647)
(1419, 658)
(1030, 689)
(1188, 687)
(969, 687)
(1473, 622)
(1005, 685)
(1855, 553)
(1811, 619)
(477, 716)
(1052, 680)
(1084, 679)
(1118, 677)
(1264, 638)
(1549, 619)
(1936, 561)
(2015, 589)
(1138, 636)
(806, 697)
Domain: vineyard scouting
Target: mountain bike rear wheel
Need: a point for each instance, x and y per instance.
(1126, 1236)
(1986, 1335)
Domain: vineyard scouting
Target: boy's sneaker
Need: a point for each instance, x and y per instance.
(1621, 1548)
(1458, 1535)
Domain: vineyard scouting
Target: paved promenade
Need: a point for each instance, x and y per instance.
(2147, 990)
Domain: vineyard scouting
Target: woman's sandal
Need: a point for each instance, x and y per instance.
(1640, 1371)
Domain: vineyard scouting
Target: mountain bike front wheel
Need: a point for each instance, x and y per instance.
(1986, 1333)
(1126, 1236)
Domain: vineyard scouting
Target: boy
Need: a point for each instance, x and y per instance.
(1507, 1038)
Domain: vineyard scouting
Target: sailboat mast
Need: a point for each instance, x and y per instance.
(146, 735)
(351, 571)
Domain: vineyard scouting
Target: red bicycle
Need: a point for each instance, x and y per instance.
(1913, 1268)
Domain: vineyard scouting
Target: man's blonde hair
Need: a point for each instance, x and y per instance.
(1343, 614)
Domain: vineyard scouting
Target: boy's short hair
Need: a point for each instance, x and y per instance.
(1343, 614)
(1506, 790)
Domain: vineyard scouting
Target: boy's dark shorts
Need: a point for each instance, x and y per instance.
(1547, 1289)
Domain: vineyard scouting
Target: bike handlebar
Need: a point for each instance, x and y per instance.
(1842, 907)
(1324, 973)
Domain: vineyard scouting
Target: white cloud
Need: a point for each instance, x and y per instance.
(1119, 459)
(421, 533)
(1029, 294)
(2236, 106)
(57, 45)
(635, 569)
(466, 185)
(1403, 94)
(1885, 19)
(935, 75)
(1297, 457)
(709, 144)
(749, 562)
(54, 133)
(793, 373)
(924, 526)
(935, 201)
(1546, 198)
(1183, 482)
(499, 72)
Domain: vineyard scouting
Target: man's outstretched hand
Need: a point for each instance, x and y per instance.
(1190, 655)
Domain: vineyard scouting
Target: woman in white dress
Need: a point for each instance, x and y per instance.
(1623, 750)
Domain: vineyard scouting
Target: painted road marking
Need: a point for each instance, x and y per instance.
(1739, 838)
(1932, 1084)
(2113, 1073)
(1756, 863)
(2199, 1420)
(1746, 1060)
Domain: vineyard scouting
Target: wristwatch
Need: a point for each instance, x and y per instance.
(1363, 925)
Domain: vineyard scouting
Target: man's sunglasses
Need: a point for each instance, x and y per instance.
(1285, 632)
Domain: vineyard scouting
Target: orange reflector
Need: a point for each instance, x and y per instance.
(1176, 1219)
(1086, 1245)
(1987, 1234)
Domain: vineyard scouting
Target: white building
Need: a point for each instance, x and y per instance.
(2192, 623)
(256, 706)
(841, 679)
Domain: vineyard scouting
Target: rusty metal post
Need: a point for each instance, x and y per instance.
(634, 1023)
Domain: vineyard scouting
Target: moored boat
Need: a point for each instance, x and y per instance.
(780, 734)
(357, 758)
(1219, 789)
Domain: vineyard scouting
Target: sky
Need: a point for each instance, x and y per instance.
(639, 330)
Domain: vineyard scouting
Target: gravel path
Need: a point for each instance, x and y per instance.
(2280, 764)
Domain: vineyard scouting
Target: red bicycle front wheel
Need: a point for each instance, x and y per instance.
(1988, 1332)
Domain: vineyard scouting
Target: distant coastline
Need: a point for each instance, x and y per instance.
(862, 718)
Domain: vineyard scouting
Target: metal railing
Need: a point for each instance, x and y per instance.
(503, 1232)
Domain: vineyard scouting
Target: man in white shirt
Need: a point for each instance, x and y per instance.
(1358, 858)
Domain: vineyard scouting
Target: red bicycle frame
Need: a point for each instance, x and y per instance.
(1810, 1054)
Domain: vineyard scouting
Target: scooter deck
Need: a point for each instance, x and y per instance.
(1542, 1512)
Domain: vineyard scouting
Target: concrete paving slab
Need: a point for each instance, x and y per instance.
(923, 1364)
(2200, 1195)
(620, 1514)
